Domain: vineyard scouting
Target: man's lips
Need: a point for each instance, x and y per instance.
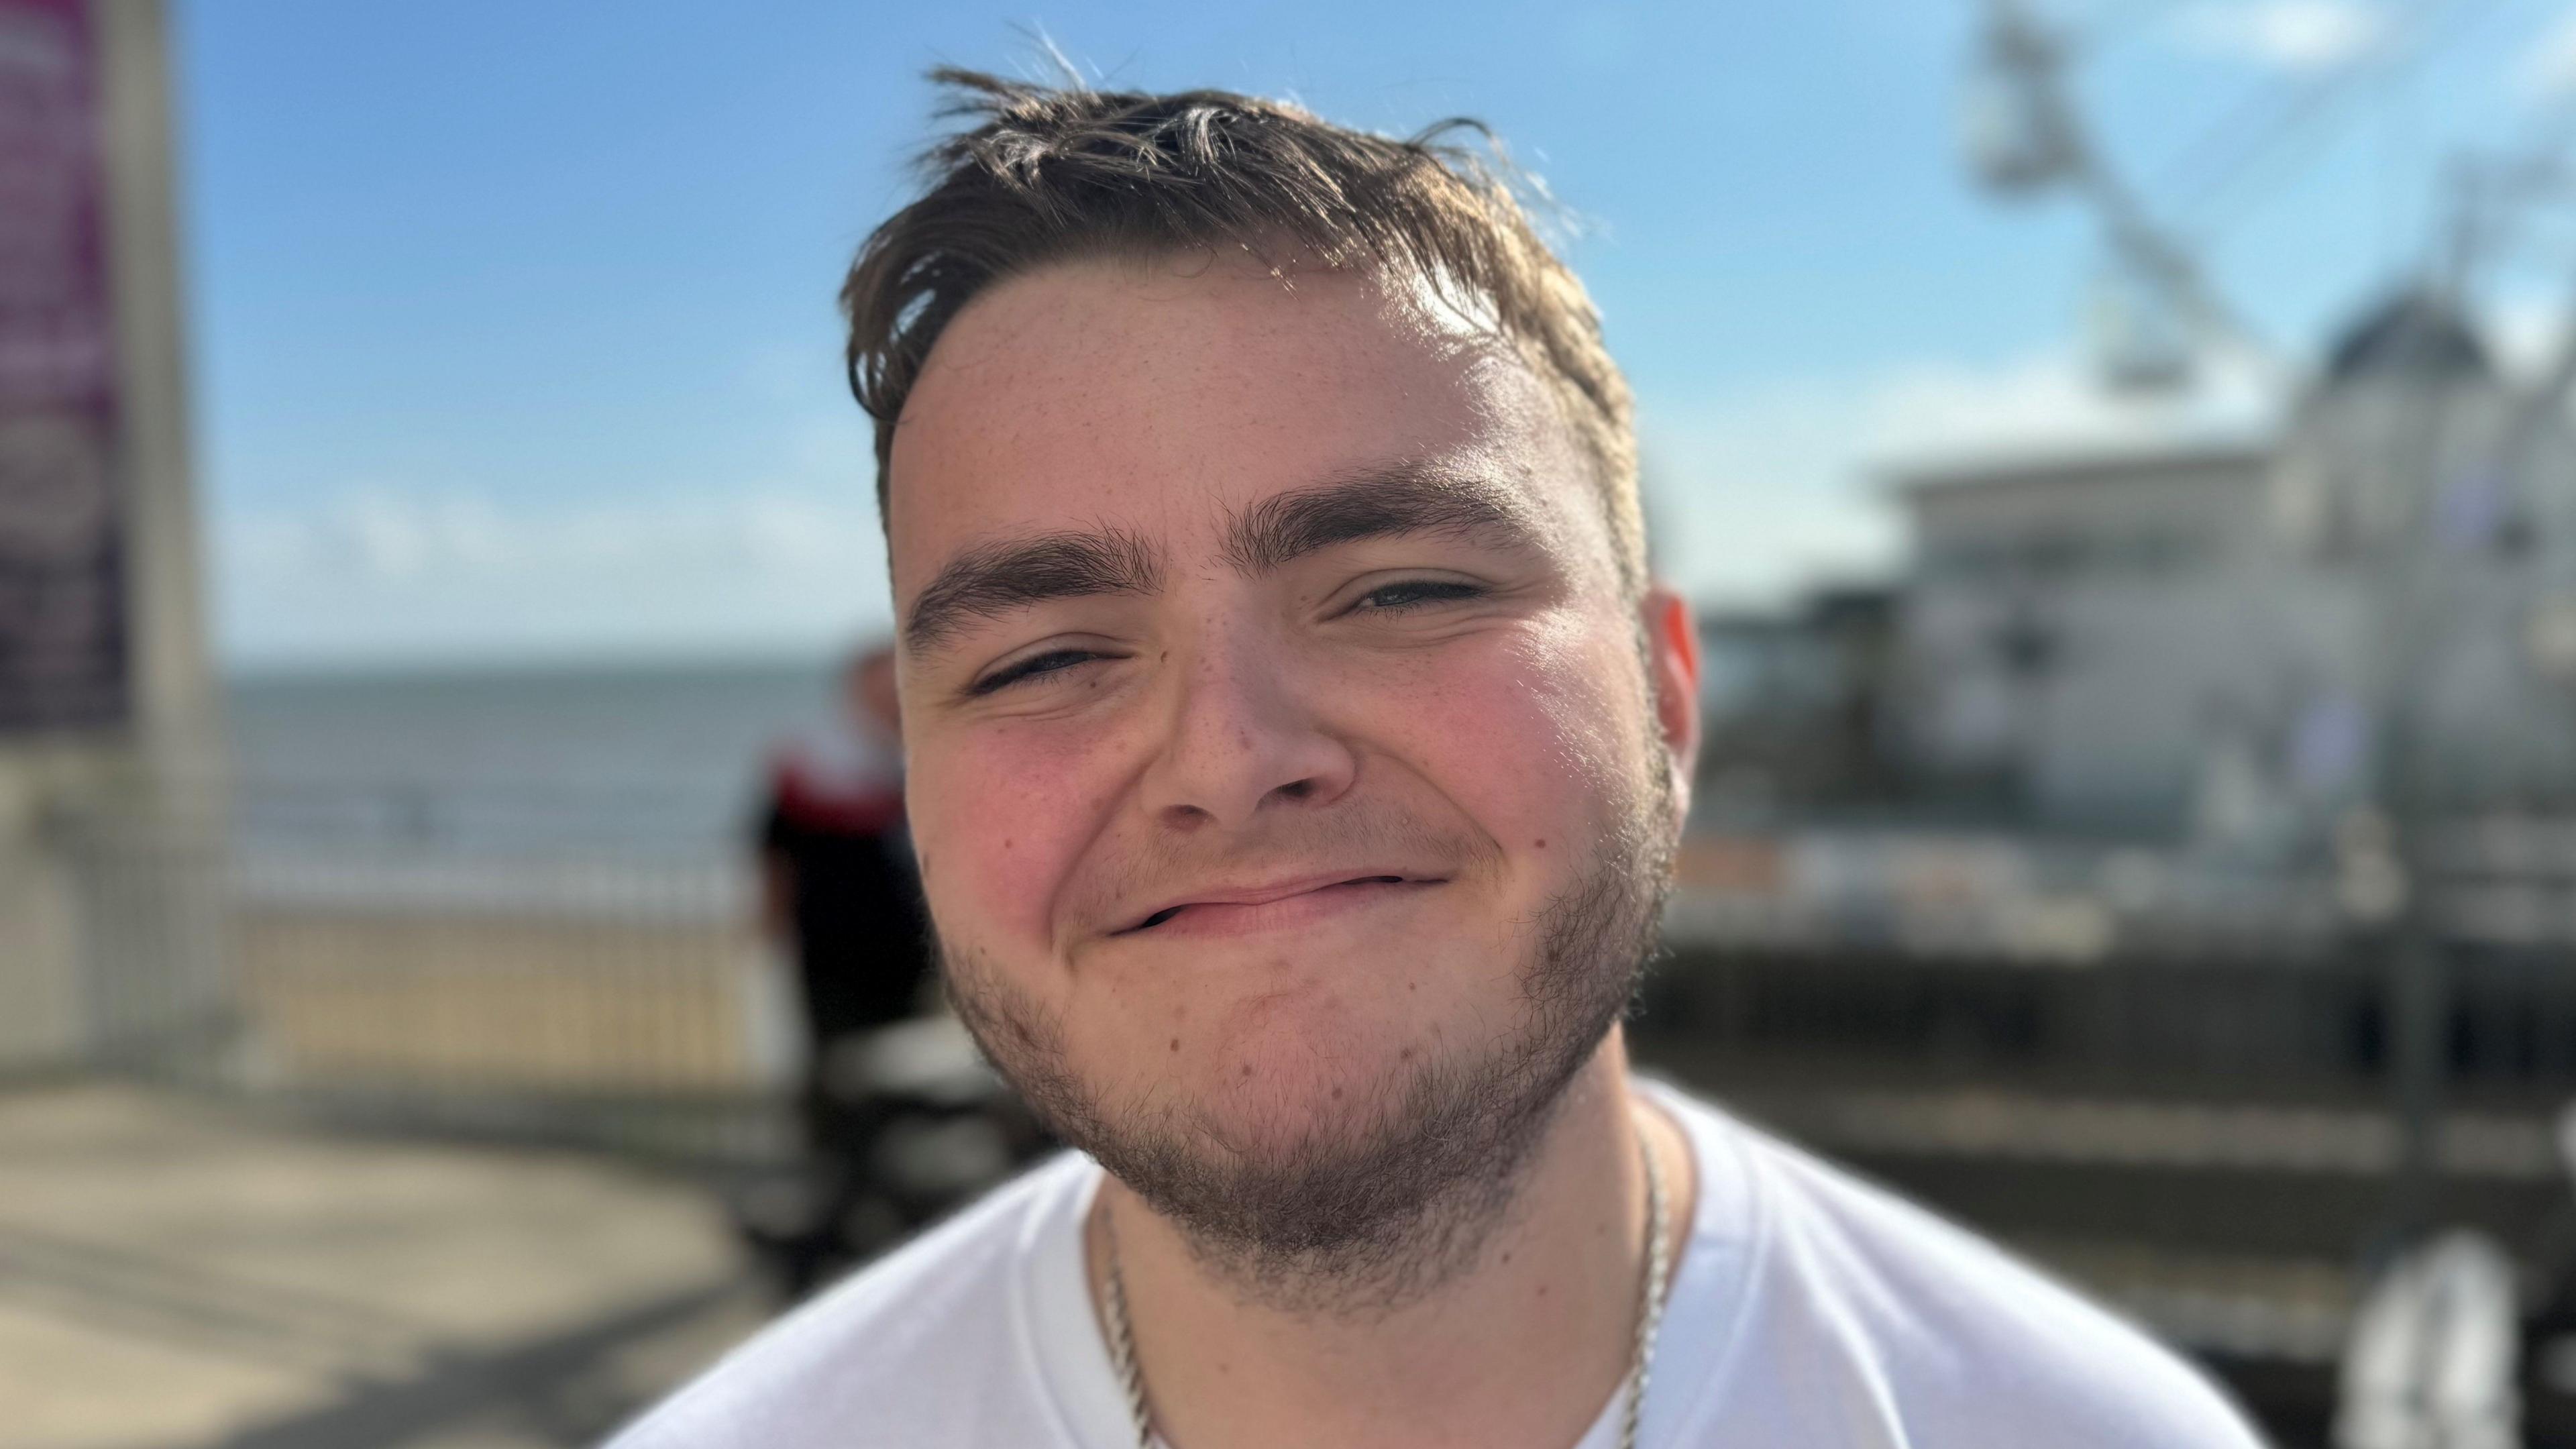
(1223, 907)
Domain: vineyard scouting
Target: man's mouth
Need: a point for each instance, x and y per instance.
(1245, 904)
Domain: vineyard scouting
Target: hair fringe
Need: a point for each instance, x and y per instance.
(1032, 172)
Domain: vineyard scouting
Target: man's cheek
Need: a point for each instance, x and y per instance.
(1590, 684)
(1514, 728)
(994, 851)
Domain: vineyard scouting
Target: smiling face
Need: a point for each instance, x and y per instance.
(1291, 797)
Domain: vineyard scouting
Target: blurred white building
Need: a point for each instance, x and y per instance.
(2224, 639)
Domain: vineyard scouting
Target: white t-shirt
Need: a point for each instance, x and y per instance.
(1809, 1311)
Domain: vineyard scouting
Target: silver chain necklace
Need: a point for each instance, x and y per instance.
(1641, 1354)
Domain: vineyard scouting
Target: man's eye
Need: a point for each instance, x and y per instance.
(1036, 666)
(1414, 593)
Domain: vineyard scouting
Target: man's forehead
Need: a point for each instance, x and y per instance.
(1160, 395)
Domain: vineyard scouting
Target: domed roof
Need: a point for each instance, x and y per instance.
(2412, 334)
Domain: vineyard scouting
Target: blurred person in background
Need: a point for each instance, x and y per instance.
(841, 900)
(1297, 749)
(838, 888)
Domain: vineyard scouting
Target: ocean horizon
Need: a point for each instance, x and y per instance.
(619, 757)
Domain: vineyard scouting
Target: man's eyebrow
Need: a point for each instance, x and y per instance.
(995, 578)
(1383, 502)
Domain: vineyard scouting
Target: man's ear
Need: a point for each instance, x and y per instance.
(1672, 668)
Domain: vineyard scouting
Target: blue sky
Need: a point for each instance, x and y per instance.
(513, 329)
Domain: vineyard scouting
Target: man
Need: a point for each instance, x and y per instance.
(838, 893)
(1296, 748)
(837, 884)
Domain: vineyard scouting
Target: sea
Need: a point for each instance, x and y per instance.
(615, 761)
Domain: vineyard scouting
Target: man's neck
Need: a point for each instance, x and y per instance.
(1521, 1349)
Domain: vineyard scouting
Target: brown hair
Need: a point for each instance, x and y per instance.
(1049, 173)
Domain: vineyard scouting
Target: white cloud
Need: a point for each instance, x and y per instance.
(1752, 494)
(2547, 70)
(783, 555)
(384, 573)
(2051, 401)
(2294, 35)
(1756, 493)
(2528, 331)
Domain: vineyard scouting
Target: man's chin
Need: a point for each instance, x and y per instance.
(1304, 1174)
(1294, 1115)
(1291, 1147)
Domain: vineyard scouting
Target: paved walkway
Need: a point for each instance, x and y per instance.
(182, 1275)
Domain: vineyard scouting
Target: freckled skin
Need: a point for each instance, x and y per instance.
(1222, 728)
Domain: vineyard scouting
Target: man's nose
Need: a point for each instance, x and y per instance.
(1242, 736)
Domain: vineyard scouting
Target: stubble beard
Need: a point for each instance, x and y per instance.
(1384, 1202)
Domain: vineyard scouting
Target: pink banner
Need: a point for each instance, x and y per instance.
(62, 556)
